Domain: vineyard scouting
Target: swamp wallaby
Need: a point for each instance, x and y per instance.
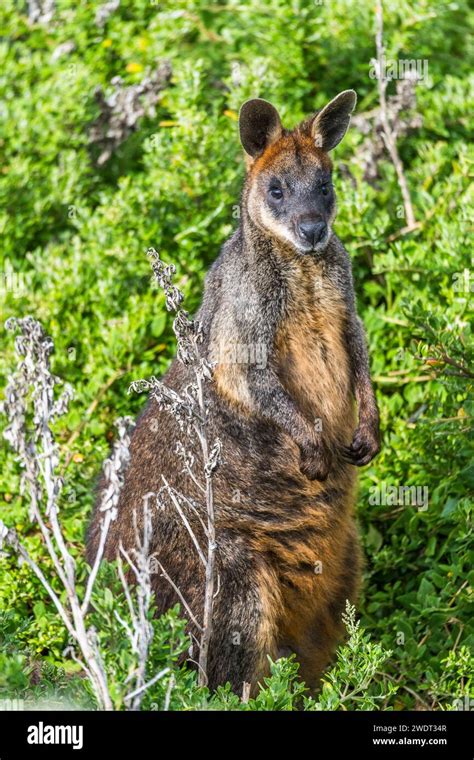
(292, 424)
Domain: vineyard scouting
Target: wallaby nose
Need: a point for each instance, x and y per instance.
(312, 232)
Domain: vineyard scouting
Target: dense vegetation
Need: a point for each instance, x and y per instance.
(75, 226)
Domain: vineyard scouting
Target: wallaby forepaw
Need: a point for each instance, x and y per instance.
(315, 462)
(364, 447)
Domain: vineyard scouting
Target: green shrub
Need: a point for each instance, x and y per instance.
(75, 234)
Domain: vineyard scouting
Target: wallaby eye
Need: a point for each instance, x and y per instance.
(276, 192)
(325, 188)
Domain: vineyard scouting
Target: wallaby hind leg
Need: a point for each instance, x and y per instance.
(244, 626)
(244, 609)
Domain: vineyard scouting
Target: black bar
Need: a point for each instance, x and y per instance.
(129, 735)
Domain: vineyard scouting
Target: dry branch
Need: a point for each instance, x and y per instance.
(388, 132)
(30, 435)
(189, 410)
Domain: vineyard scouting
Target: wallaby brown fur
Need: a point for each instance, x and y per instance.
(287, 546)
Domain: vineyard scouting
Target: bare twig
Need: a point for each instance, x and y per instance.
(140, 630)
(388, 134)
(189, 410)
(175, 499)
(171, 684)
(138, 692)
(122, 109)
(180, 595)
(246, 687)
(38, 453)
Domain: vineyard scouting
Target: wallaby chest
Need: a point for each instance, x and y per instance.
(312, 352)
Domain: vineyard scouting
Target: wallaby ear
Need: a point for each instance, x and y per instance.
(330, 125)
(259, 125)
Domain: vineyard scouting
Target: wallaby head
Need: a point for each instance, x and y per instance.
(289, 193)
